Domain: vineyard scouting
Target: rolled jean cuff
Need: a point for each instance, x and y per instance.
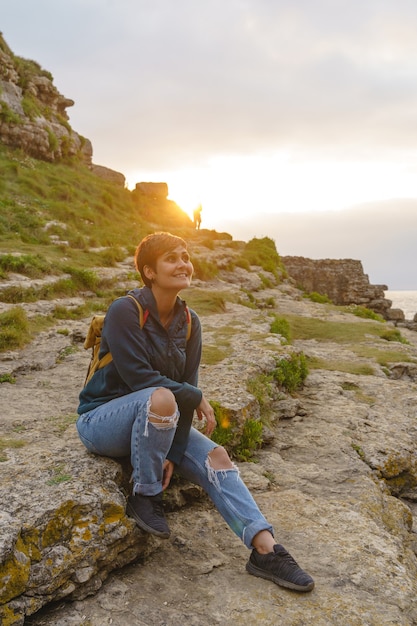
(147, 490)
(253, 529)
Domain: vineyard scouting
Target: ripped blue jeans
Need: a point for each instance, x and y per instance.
(121, 427)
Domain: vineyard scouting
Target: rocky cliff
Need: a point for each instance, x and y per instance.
(343, 281)
(33, 113)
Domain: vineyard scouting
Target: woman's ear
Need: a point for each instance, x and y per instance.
(148, 271)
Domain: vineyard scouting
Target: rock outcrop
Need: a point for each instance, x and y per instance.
(342, 280)
(34, 118)
(108, 174)
(152, 190)
(337, 478)
(33, 113)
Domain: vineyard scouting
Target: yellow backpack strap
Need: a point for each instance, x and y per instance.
(105, 360)
(142, 314)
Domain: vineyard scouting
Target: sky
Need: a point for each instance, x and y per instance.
(292, 119)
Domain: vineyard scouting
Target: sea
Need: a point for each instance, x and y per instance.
(404, 300)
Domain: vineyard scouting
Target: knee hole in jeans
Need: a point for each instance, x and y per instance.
(162, 409)
(219, 459)
(219, 466)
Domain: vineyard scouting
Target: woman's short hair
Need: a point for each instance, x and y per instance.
(151, 247)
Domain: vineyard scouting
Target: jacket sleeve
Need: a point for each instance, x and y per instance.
(194, 346)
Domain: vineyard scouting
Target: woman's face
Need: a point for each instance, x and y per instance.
(173, 270)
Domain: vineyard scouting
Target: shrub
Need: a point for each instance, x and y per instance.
(240, 447)
(291, 371)
(7, 378)
(264, 253)
(222, 434)
(250, 441)
(281, 326)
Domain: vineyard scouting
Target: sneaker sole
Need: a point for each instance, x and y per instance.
(144, 526)
(256, 571)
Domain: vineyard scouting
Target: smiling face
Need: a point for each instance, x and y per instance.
(173, 270)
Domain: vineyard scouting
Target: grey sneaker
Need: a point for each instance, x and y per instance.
(148, 513)
(281, 568)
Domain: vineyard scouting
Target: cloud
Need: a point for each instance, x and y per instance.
(179, 81)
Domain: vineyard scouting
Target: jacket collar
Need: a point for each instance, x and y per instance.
(146, 298)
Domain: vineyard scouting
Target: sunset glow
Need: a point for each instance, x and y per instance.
(236, 187)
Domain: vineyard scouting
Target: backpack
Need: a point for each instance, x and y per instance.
(93, 338)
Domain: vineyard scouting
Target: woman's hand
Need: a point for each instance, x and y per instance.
(168, 470)
(205, 410)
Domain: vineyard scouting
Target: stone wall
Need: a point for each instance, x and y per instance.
(342, 280)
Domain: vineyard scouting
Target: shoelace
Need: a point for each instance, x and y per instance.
(286, 556)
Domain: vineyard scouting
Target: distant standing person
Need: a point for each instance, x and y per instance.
(197, 217)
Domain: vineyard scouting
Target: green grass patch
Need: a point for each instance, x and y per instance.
(342, 332)
(7, 444)
(359, 451)
(66, 352)
(318, 297)
(80, 280)
(348, 367)
(33, 266)
(381, 356)
(364, 312)
(394, 335)
(203, 269)
(14, 329)
(212, 355)
(360, 395)
(204, 301)
(60, 423)
(7, 378)
(59, 476)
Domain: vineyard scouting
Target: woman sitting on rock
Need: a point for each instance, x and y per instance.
(142, 404)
